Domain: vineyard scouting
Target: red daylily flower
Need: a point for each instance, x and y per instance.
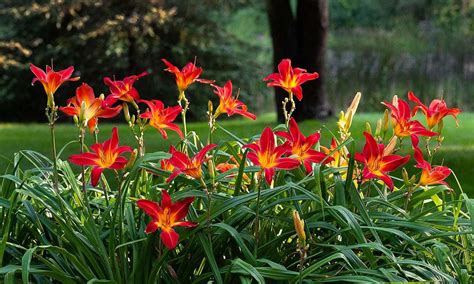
(161, 118)
(52, 80)
(436, 111)
(167, 216)
(188, 166)
(123, 90)
(228, 104)
(188, 75)
(290, 79)
(268, 156)
(302, 147)
(93, 107)
(105, 156)
(429, 175)
(377, 162)
(401, 119)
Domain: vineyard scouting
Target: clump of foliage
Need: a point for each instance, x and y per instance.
(275, 207)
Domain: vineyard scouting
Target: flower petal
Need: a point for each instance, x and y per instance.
(170, 238)
(95, 175)
(151, 208)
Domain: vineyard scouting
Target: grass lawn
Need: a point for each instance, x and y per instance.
(457, 151)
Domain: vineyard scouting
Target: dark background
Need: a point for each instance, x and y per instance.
(382, 48)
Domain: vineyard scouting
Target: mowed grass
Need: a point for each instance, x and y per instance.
(457, 151)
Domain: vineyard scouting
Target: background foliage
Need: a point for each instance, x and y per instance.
(424, 45)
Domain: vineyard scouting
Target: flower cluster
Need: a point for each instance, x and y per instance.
(379, 160)
(288, 150)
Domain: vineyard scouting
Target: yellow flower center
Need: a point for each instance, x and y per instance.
(266, 160)
(107, 158)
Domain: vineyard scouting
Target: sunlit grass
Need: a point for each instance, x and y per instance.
(457, 151)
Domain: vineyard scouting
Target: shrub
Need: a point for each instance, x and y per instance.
(277, 207)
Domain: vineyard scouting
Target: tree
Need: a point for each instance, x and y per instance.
(302, 39)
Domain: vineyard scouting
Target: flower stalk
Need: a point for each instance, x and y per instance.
(287, 114)
(257, 213)
(52, 115)
(184, 104)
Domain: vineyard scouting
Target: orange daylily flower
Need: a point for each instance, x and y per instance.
(93, 107)
(188, 166)
(161, 118)
(436, 111)
(123, 90)
(378, 161)
(229, 104)
(290, 79)
(224, 167)
(301, 147)
(269, 156)
(229, 165)
(105, 156)
(166, 216)
(185, 77)
(52, 80)
(401, 119)
(429, 175)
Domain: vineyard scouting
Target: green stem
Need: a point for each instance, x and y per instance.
(257, 215)
(52, 116)
(141, 143)
(299, 272)
(409, 194)
(182, 98)
(96, 135)
(82, 132)
(81, 143)
(106, 195)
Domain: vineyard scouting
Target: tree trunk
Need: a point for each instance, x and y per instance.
(303, 40)
(283, 32)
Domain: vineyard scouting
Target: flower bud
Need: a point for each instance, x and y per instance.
(133, 119)
(299, 227)
(390, 146)
(406, 180)
(82, 115)
(76, 120)
(133, 158)
(395, 101)
(210, 107)
(368, 128)
(211, 168)
(385, 122)
(355, 103)
(126, 112)
(378, 129)
(345, 118)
